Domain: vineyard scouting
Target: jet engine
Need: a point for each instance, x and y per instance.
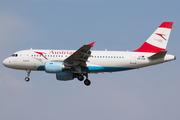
(55, 67)
(64, 76)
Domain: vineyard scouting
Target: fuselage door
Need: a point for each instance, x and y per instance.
(133, 58)
(26, 56)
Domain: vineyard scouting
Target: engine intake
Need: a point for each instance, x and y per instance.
(55, 67)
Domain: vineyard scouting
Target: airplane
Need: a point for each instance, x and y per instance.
(70, 64)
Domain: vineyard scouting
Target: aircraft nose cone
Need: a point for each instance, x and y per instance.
(5, 62)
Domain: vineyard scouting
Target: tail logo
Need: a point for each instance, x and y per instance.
(161, 35)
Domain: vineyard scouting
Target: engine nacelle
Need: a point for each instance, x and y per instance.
(55, 67)
(64, 76)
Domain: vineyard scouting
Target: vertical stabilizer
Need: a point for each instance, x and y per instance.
(158, 40)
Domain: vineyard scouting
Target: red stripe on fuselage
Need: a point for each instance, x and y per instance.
(40, 53)
(146, 47)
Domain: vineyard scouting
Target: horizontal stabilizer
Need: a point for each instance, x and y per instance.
(158, 55)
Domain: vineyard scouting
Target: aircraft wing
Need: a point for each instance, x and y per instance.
(80, 56)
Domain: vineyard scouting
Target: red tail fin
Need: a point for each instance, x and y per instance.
(158, 40)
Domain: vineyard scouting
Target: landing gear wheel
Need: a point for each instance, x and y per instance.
(27, 79)
(87, 82)
(28, 74)
(80, 77)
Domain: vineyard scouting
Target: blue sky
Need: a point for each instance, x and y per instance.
(144, 94)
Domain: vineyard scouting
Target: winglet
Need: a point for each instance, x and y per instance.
(91, 44)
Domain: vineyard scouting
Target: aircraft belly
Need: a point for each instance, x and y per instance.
(106, 69)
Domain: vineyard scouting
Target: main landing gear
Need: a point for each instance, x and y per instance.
(28, 74)
(80, 77)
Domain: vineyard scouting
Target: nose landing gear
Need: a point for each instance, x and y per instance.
(27, 79)
(28, 74)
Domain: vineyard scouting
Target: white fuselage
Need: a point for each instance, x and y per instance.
(99, 61)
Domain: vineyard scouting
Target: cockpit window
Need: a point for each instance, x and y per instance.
(14, 55)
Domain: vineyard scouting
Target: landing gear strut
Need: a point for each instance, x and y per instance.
(28, 74)
(87, 82)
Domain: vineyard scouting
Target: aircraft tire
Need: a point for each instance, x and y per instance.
(27, 79)
(87, 82)
(80, 77)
